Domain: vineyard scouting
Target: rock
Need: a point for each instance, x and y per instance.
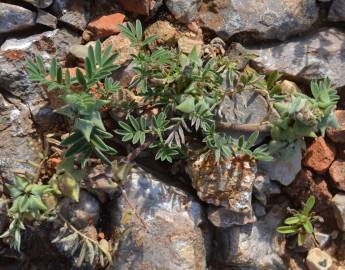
(319, 155)
(224, 218)
(339, 210)
(318, 260)
(306, 185)
(14, 18)
(322, 239)
(186, 44)
(183, 10)
(3, 217)
(47, 19)
(164, 30)
(142, 7)
(289, 87)
(122, 46)
(106, 25)
(267, 19)
(315, 56)
(78, 53)
(83, 213)
(281, 170)
(75, 13)
(264, 188)
(337, 11)
(259, 209)
(253, 246)
(337, 172)
(337, 135)
(166, 235)
(13, 55)
(40, 3)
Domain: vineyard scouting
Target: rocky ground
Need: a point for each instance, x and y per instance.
(163, 220)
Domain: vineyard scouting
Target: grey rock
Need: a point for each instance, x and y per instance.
(264, 188)
(224, 218)
(323, 240)
(312, 56)
(166, 235)
(339, 210)
(253, 246)
(47, 19)
(267, 19)
(337, 11)
(283, 170)
(14, 18)
(259, 209)
(40, 3)
(75, 13)
(183, 10)
(13, 55)
(83, 213)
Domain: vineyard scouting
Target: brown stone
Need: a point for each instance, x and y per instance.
(320, 155)
(337, 135)
(141, 7)
(337, 172)
(106, 25)
(164, 30)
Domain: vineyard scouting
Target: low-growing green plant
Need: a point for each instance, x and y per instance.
(301, 223)
(27, 205)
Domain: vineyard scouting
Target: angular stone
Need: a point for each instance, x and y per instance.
(337, 135)
(14, 18)
(47, 19)
(264, 188)
(281, 170)
(163, 231)
(267, 19)
(339, 210)
(337, 172)
(319, 155)
(337, 11)
(164, 30)
(106, 25)
(122, 46)
(315, 56)
(40, 3)
(318, 260)
(253, 246)
(183, 10)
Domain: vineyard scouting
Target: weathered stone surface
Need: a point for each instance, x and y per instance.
(253, 246)
(339, 210)
(337, 172)
(15, 18)
(167, 234)
(318, 260)
(122, 46)
(142, 7)
(264, 188)
(186, 44)
(183, 10)
(319, 155)
(164, 30)
(47, 19)
(224, 218)
(106, 25)
(267, 19)
(281, 170)
(337, 135)
(75, 13)
(40, 3)
(13, 54)
(306, 185)
(312, 56)
(337, 11)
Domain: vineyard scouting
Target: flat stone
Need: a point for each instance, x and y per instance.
(339, 210)
(40, 3)
(337, 172)
(183, 10)
(106, 25)
(14, 18)
(337, 135)
(337, 11)
(47, 19)
(267, 19)
(166, 235)
(315, 56)
(253, 246)
(319, 155)
(281, 170)
(318, 260)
